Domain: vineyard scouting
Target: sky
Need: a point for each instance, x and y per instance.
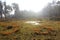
(30, 5)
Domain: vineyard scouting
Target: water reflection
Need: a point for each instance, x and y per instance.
(33, 22)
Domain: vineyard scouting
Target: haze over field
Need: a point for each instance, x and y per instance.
(31, 20)
(33, 5)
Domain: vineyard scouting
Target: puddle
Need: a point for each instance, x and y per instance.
(33, 22)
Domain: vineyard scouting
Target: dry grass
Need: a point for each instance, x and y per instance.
(26, 31)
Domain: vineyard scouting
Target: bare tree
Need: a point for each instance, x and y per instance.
(1, 9)
(7, 9)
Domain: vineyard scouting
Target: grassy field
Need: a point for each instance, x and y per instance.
(46, 30)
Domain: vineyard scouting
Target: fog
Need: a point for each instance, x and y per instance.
(33, 5)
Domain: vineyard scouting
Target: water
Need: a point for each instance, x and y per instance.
(33, 22)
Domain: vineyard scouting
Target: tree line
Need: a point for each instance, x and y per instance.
(18, 14)
(51, 11)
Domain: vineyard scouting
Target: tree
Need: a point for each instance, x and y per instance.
(52, 11)
(1, 9)
(17, 11)
(7, 9)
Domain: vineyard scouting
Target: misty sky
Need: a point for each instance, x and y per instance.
(33, 5)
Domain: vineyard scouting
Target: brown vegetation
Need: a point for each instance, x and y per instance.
(14, 28)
